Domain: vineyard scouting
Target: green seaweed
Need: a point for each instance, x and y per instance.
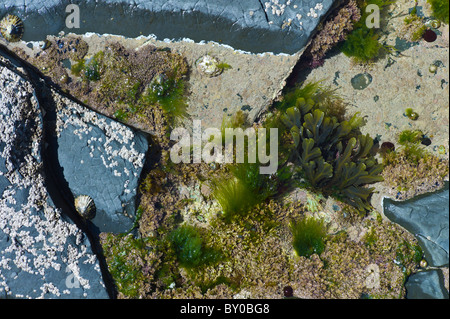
(308, 236)
(126, 270)
(333, 156)
(190, 249)
(121, 115)
(409, 112)
(248, 187)
(90, 69)
(77, 67)
(410, 137)
(234, 196)
(370, 238)
(407, 253)
(440, 9)
(169, 93)
(418, 34)
(363, 43)
(139, 213)
(223, 66)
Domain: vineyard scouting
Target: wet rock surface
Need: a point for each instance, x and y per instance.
(279, 26)
(426, 285)
(428, 218)
(43, 253)
(102, 159)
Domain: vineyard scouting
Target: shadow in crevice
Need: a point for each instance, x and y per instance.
(55, 183)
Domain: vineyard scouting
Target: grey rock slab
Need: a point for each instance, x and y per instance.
(426, 216)
(100, 158)
(43, 254)
(426, 285)
(279, 26)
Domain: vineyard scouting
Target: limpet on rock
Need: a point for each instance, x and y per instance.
(209, 66)
(11, 28)
(85, 206)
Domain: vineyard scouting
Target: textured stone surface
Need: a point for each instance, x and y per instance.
(279, 26)
(43, 254)
(428, 218)
(399, 81)
(252, 84)
(426, 285)
(102, 159)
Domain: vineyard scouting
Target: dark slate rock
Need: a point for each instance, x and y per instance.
(252, 25)
(427, 217)
(43, 254)
(103, 159)
(426, 285)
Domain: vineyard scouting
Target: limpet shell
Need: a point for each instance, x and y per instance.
(11, 28)
(85, 206)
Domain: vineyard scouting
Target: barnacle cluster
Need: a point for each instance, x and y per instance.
(333, 31)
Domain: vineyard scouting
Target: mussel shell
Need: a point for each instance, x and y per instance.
(11, 28)
(85, 206)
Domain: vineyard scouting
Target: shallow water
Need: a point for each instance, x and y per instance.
(131, 20)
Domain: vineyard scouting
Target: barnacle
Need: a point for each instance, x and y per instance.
(209, 66)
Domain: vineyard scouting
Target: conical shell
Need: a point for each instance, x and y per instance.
(11, 28)
(85, 206)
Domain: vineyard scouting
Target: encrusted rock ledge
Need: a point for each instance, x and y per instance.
(43, 254)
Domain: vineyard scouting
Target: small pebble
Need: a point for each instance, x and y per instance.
(426, 141)
(288, 291)
(430, 36)
(433, 68)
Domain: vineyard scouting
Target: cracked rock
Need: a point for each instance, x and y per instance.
(43, 254)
